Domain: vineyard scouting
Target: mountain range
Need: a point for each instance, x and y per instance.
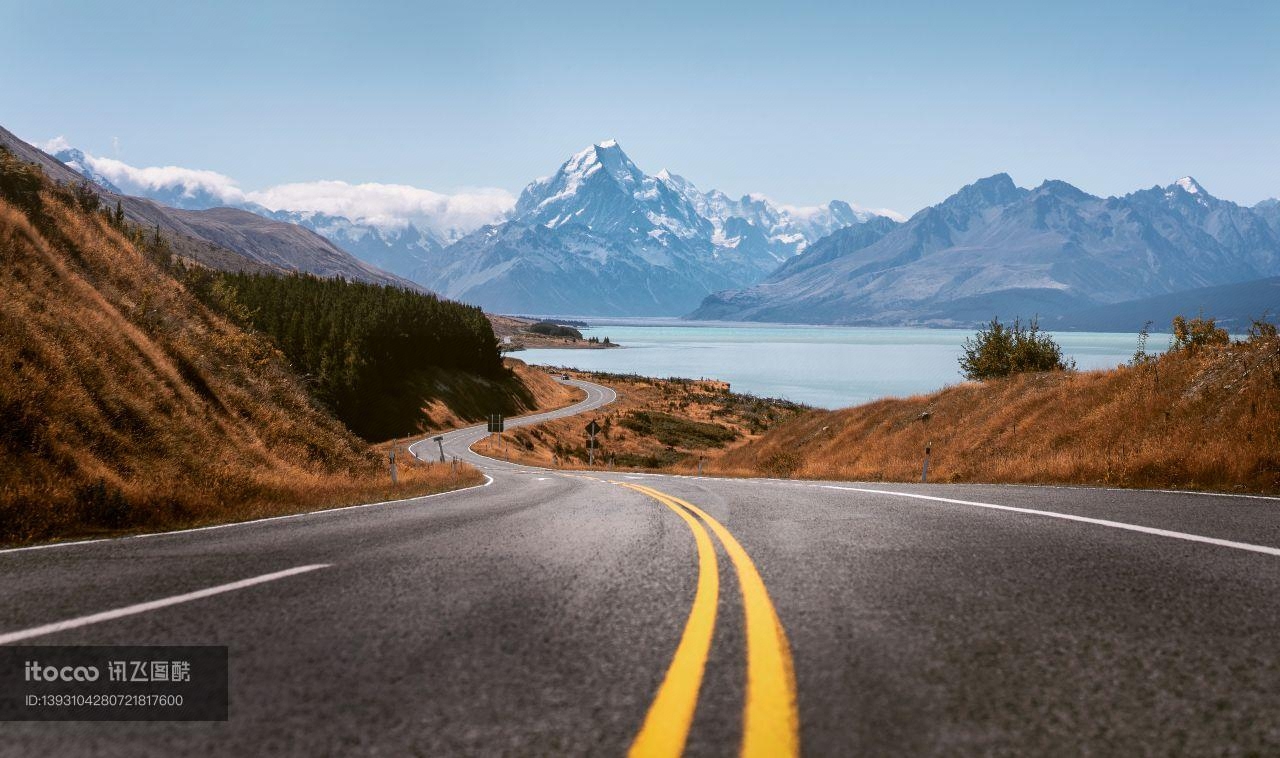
(602, 237)
(994, 248)
(597, 237)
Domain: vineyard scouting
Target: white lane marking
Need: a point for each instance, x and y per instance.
(1083, 519)
(131, 610)
(542, 479)
(487, 481)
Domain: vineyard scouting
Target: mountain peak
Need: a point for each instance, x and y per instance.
(997, 189)
(1189, 185)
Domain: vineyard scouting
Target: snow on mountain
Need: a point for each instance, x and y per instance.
(1189, 185)
(788, 229)
(602, 237)
(601, 188)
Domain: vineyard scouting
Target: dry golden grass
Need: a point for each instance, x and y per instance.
(1203, 420)
(711, 421)
(468, 399)
(125, 404)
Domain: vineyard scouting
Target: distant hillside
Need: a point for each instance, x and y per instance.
(127, 403)
(995, 249)
(1233, 306)
(1206, 419)
(224, 238)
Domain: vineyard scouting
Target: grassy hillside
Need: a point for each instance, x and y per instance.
(1194, 418)
(125, 402)
(655, 424)
(454, 399)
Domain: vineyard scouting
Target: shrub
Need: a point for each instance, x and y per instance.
(998, 350)
(1197, 333)
(1261, 329)
(1141, 356)
(552, 329)
(676, 431)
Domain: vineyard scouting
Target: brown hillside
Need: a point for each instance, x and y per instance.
(125, 403)
(1207, 419)
(455, 399)
(667, 424)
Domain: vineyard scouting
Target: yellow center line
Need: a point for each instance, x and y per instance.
(666, 726)
(771, 722)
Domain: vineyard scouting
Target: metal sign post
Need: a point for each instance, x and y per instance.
(392, 455)
(440, 441)
(496, 426)
(592, 430)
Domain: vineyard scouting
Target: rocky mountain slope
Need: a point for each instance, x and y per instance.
(997, 249)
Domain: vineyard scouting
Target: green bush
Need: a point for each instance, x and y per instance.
(998, 350)
(676, 431)
(552, 329)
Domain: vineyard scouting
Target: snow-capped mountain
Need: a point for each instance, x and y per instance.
(994, 248)
(602, 237)
(788, 230)
(400, 250)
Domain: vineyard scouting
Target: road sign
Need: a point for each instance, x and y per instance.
(496, 423)
(593, 428)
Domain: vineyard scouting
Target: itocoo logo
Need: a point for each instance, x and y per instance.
(37, 673)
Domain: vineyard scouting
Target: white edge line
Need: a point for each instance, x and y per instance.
(1071, 517)
(229, 524)
(131, 610)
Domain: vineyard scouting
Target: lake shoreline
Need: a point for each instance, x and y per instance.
(825, 367)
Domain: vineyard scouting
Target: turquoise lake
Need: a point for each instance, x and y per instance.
(823, 366)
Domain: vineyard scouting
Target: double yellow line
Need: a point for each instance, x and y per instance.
(771, 724)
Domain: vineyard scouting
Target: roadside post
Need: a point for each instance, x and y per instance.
(440, 441)
(392, 455)
(700, 457)
(592, 430)
(924, 475)
(496, 426)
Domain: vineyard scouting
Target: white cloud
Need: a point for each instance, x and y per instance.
(186, 182)
(387, 206)
(55, 145)
(390, 206)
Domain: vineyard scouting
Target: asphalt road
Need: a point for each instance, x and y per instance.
(591, 612)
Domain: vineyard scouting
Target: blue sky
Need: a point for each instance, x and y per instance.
(889, 105)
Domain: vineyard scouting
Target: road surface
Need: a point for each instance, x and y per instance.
(576, 613)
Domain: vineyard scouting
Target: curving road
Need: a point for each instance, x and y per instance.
(554, 613)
